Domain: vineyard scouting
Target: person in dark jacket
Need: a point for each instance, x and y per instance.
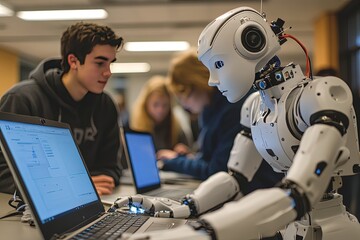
(219, 122)
(70, 90)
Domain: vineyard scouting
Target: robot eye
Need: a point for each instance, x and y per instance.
(253, 39)
(219, 64)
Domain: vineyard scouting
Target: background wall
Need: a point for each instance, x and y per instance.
(326, 51)
(9, 70)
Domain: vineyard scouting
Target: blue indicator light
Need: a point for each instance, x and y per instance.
(320, 167)
(136, 210)
(262, 85)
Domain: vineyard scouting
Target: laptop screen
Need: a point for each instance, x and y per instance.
(49, 172)
(50, 166)
(142, 158)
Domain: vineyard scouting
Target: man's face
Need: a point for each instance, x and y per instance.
(93, 75)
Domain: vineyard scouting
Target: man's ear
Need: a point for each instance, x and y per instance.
(72, 60)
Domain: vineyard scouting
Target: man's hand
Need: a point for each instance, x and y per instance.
(165, 154)
(104, 184)
(181, 149)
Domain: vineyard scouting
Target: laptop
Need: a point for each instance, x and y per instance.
(141, 156)
(51, 175)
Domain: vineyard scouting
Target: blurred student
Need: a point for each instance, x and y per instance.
(219, 123)
(219, 120)
(70, 90)
(153, 112)
(123, 112)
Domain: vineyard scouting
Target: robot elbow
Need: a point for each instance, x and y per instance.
(241, 180)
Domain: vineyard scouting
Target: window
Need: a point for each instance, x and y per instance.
(349, 57)
(349, 45)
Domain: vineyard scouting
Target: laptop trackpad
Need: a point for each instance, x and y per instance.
(165, 223)
(159, 226)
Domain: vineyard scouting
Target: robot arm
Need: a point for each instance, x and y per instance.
(244, 158)
(324, 151)
(222, 187)
(320, 150)
(216, 190)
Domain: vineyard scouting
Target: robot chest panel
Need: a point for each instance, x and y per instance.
(273, 139)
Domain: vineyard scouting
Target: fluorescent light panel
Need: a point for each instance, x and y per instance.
(52, 15)
(5, 11)
(156, 46)
(129, 67)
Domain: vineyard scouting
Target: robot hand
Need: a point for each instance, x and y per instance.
(153, 206)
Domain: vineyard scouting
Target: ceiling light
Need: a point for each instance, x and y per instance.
(49, 15)
(5, 11)
(156, 46)
(129, 67)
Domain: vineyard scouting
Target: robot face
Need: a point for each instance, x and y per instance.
(226, 75)
(234, 47)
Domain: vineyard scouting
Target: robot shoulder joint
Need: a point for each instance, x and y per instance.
(326, 100)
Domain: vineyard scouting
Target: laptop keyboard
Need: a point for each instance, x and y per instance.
(112, 226)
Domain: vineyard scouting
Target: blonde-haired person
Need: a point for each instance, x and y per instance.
(153, 112)
(219, 122)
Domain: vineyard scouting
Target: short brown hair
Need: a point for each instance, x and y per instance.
(187, 73)
(80, 39)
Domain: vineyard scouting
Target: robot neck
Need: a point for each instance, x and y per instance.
(279, 81)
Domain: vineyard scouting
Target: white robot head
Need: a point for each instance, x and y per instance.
(234, 47)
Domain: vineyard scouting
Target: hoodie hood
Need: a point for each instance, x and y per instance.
(48, 74)
(45, 74)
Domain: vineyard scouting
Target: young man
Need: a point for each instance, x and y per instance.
(71, 90)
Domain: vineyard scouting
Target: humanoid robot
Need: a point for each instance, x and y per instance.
(302, 126)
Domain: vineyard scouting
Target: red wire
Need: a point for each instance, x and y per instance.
(306, 52)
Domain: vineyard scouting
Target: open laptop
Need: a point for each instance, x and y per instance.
(51, 175)
(141, 156)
